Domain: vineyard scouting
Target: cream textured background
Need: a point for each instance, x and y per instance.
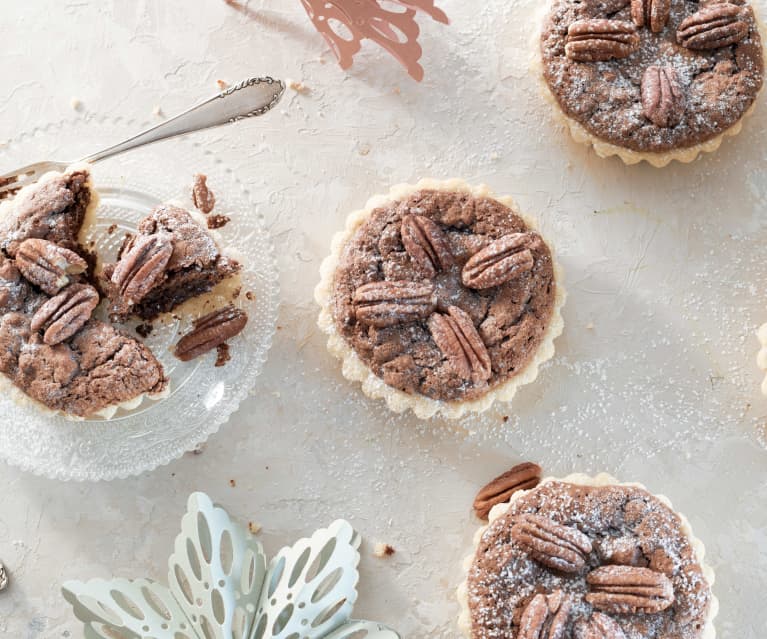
(654, 380)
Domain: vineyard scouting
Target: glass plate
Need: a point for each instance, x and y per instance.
(202, 397)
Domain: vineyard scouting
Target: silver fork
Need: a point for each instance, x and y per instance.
(251, 97)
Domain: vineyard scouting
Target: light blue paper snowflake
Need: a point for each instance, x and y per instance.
(220, 587)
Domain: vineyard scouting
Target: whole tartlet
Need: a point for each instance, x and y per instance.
(440, 297)
(587, 557)
(654, 80)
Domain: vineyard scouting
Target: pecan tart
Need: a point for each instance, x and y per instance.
(587, 557)
(170, 260)
(440, 298)
(51, 348)
(654, 80)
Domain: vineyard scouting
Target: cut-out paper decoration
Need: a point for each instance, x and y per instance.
(389, 23)
(222, 587)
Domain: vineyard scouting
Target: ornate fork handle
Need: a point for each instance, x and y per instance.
(235, 103)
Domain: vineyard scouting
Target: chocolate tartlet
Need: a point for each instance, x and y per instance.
(654, 80)
(440, 297)
(171, 259)
(50, 347)
(587, 557)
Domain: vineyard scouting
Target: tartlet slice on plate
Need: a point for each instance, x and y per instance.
(441, 298)
(171, 259)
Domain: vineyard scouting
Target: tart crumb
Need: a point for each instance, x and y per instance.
(218, 221)
(382, 550)
(145, 330)
(112, 228)
(299, 87)
(222, 355)
(250, 296)
(254, 528)
(76, 104)
(232, 483)
(223, 85)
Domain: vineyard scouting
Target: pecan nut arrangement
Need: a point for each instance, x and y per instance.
(652, 76)
(444, 294)
(584, 558)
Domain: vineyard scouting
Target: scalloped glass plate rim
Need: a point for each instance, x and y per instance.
(268, 297)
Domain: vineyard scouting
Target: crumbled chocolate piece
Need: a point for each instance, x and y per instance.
(218, 221)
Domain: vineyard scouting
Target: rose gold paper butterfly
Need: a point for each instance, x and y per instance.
(345, 23)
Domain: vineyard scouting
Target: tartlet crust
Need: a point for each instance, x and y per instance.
(604, 149)
(602, 479)
(374, 387)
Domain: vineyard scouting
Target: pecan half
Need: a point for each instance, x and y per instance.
(202, 196)
(599, 626)
(651, 13)
(716, 25)
(521, 477)
(629, 590)
(599, 39)
(140, 268)
(383, 304)
(545, 617)
(211, 331)
(663, 101)
(66, 313)
(457, 338)
(505, 259)
(48, 265)
(559, 547)
(427, 244)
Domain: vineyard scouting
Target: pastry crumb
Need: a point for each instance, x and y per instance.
(364, 149)
(299, 87)
(145, 330)
(157, 111)
(250, 296)
(223, 85)
(204, 199)
(254, 528)
(232, 483)
(218, 221)
(112, 228)
(382, 550)
(590, 326)
(76, 104)
(222, 355)
(199, 449)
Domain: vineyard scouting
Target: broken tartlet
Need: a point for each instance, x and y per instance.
(587, 557)
(169, 260)
(654, 80)
(440, 297)
(51, 347)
